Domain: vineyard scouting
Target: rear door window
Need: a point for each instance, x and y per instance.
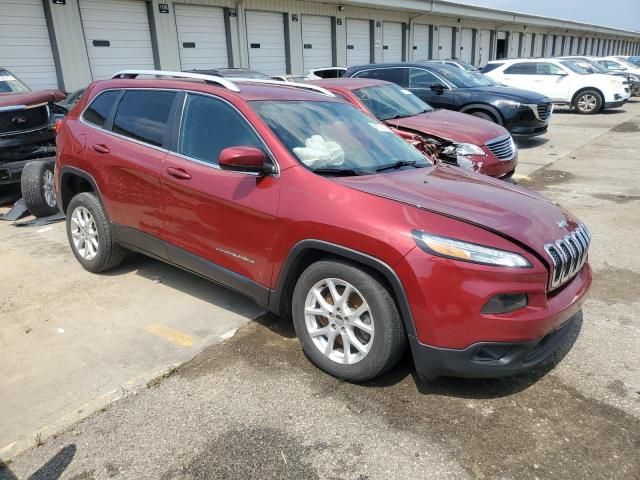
(395, 75)
(144, 115)
(419, 78)
(209, 126)
(522, 69)
(101, 107)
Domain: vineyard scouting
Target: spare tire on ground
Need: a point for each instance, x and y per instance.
(38, 188)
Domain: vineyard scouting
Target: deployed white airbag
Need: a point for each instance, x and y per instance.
(319, 153)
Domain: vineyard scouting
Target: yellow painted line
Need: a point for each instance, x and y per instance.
(174, 336)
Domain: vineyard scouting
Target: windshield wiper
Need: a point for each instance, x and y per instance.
(398, 164)
(340, 171)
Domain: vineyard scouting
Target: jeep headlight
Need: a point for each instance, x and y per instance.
(468, 252)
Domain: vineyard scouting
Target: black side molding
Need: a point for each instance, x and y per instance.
(278, 295)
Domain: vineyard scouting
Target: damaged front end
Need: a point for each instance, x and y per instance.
(464, 155)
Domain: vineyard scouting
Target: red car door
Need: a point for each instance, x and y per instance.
(217, 217)
(128, 159)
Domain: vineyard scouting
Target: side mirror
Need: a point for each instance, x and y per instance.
(244, 159)
(438, 87)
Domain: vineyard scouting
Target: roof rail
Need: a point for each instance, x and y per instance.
(223, 82)
(305, 86)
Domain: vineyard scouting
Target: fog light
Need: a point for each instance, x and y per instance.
(505, 303)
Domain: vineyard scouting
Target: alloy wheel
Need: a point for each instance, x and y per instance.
(587, 103)
(339, 321)
(84, 233)
(49, 189)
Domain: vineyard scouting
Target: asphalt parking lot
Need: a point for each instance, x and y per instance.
(113, 348)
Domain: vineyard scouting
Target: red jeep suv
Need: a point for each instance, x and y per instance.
(316, 211)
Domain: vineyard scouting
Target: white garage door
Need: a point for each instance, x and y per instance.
(117, 36)
(392, 42)
(557, 48)
(358, 42)
(537, 45)
(484, 47)
(420, 48)
(265, 36)
(548, 47)
(514, 44)
(466, 44)
(526, 46)
(445, 42)
(25, 48)
(202, 40)
(566, 50)
(317, 42)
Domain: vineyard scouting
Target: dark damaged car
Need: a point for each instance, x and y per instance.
(27, 141)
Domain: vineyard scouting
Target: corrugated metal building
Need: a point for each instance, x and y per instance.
(69, 43)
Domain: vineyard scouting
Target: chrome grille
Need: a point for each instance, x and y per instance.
(502, 147)
(544, 111)
(568, 255)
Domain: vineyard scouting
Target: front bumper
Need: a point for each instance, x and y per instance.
(528, 123)
(488, 359)
(616, 104)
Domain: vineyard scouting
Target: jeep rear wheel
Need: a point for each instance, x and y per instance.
(90, 236)
(588, 102)
(38, 188)
(346, 320)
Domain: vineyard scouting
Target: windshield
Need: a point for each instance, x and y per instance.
(335, 137)
(578, 66)
(595, 65)
(635, 61)
(467, 66)
(10, 84)
(459, 78)
(487, 81)
(626, 63)
(390, 101)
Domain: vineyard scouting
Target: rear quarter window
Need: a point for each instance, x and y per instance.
(490, 66)
(101, 107)
(144, 115)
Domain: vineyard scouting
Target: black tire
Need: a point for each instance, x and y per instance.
(37, 189)
(109, 253)
(389, 339)
(588, 102)
(483, 115)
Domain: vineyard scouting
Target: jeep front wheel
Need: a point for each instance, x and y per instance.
(347, 321)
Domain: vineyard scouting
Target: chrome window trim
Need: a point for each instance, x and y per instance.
(166, 150)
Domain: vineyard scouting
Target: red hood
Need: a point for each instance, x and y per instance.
(455, 126)
(30, 98)
(492, 204)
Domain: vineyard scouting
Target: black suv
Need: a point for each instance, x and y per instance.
(521, 112)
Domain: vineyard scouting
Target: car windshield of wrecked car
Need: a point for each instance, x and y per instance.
(10, 84)
(390, 101)
(336, 138)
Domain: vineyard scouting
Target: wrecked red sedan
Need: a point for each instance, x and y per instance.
(452, 137)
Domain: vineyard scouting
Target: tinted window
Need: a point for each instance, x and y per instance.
(522, 69)
(549, 69)
(143, 115)
(101, 107)
(395, 75)
(209, 126)
(419, 78)
(491, 66)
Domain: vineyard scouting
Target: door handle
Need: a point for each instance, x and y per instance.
(100, 148)
(178, 173)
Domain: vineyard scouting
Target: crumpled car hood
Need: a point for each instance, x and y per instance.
(30, 98)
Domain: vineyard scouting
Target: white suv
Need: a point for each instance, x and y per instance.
(565, 81)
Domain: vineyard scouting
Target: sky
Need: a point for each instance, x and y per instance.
(623, 14)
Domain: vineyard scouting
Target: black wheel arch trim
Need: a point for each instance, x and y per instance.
(68, 170)
(278, 295)
(486, 107)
